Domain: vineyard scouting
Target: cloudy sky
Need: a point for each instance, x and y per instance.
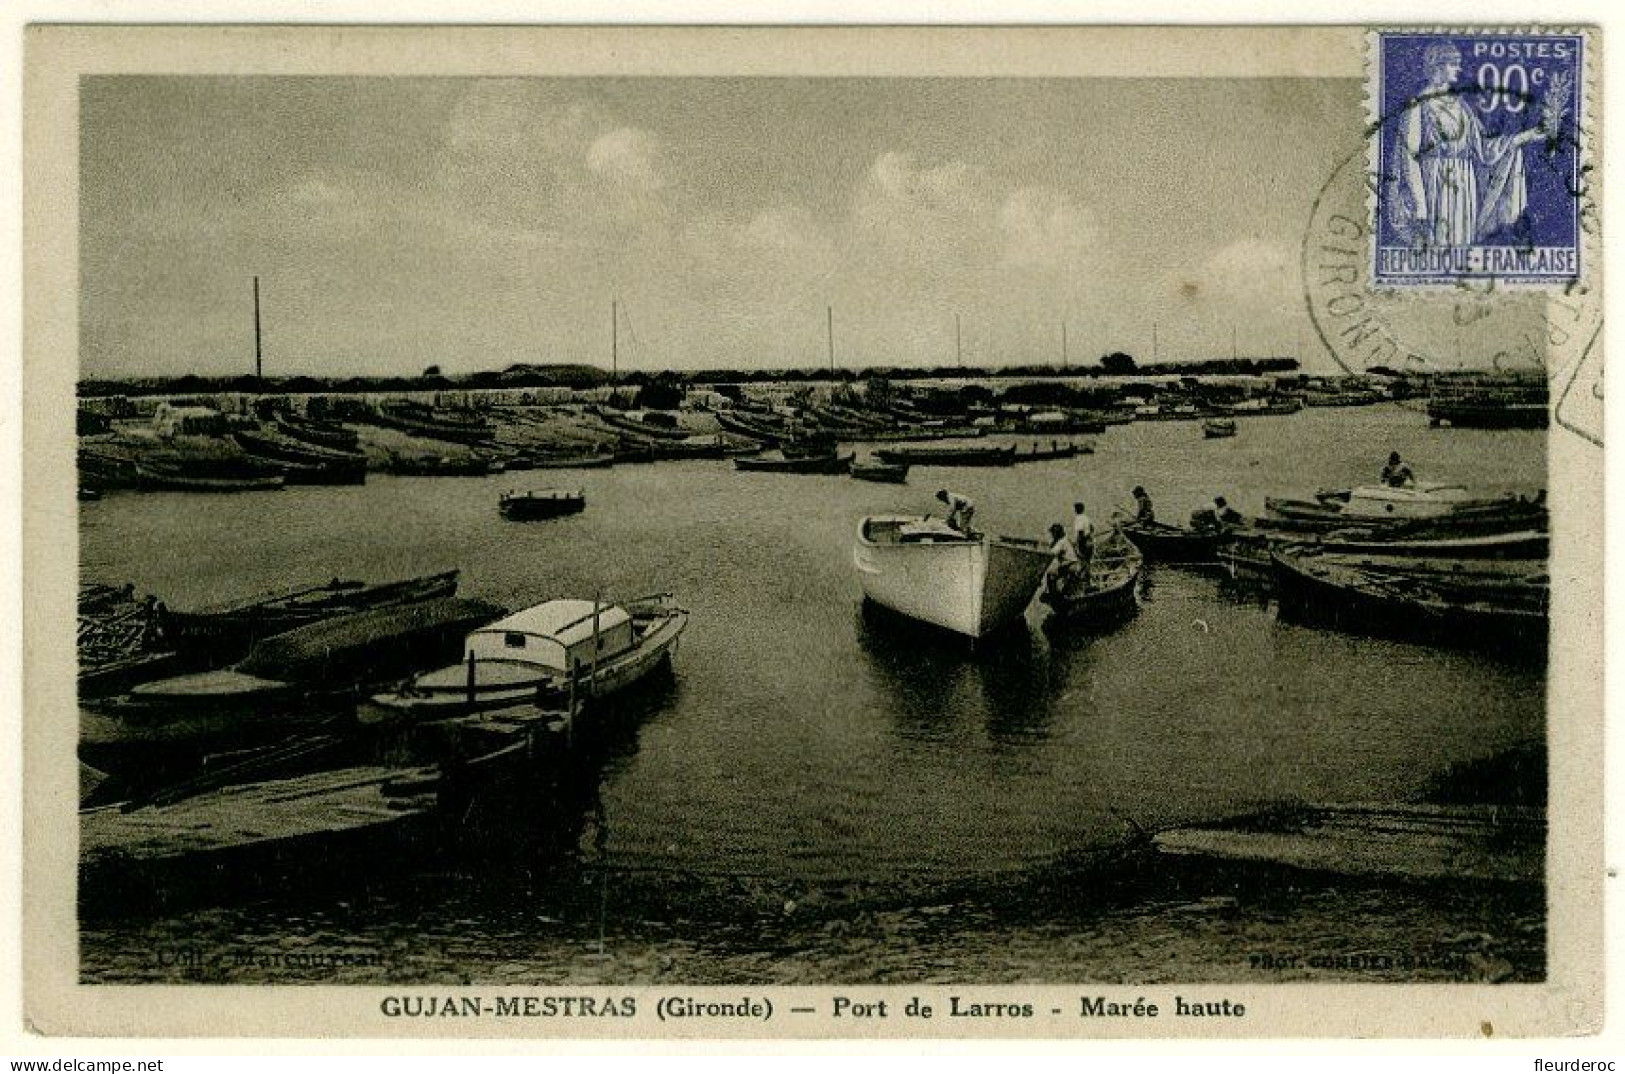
(472, 223)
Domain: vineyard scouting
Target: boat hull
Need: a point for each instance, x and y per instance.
(1163, 543)
(828, 464)
(523, 508)
(969, 587)
(1315, 593)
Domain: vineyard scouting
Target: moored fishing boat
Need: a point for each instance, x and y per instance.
(316, 433)
(1504, 610)
(1111, 593)
(971, 584)
(293, 681)
(204, 474)
(1040, 453)
(540, 503)
(223, 632)
(438, 465)
(806, 464)
(1425, 500)
(951, 455)
(541, 655)
(570, 462)
(1218, 428)
(1514, 544)
(305, 463)
(1163, 542)
(420, 420)
(883, 472)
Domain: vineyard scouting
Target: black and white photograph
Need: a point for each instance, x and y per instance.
(766, 531)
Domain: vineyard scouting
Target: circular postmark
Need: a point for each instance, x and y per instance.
(1474, 322)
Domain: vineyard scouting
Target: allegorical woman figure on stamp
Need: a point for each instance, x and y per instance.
(1454, 184)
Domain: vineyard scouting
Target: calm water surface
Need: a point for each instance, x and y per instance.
(806, 746)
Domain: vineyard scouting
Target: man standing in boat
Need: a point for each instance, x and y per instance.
(1083, 536)
(960, 510)
(1064, 568)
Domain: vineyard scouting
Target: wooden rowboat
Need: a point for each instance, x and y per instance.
(1165, 543)
(783, 464)
(884, 472)
(1112, 592)
(222, 634)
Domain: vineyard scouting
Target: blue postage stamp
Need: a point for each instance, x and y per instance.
(1476, 158)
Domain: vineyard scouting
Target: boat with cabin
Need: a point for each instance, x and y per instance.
(543, 655)
(969, 583)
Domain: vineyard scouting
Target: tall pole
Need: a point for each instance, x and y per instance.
(1233, 343)
(959, 353)
(1065, 362)
(1153, 343)
(614, 340)
(257, 361)
(829, 312)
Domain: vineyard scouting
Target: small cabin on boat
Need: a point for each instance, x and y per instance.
(554, 635)
(175, 420)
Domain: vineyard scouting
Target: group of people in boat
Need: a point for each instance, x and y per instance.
(1072, 554)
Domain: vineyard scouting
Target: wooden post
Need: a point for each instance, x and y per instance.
(471, 680)
(592, 686)
(570, 718)
(829, 312)
(257, 368)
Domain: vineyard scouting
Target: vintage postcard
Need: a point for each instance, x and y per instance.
(742, 532)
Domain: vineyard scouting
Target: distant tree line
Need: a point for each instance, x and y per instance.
(667, 385)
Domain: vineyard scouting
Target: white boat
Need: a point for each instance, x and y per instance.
(921, 568)
(531, 655)
(1423, 500)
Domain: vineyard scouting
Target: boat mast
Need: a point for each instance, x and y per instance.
(829, 312)
(257, 363)
(614, 340)
(1153, 343)
(1064, 361)
(959, 354)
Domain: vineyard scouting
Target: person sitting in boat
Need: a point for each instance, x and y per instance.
(1064, 570)
(1144, 513)
(1083, 536)
(1215, 516)
(1396, 475)
(960, 510)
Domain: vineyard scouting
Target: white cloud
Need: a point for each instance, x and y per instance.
(1044, 228)
(628, 156)
(1248, 278)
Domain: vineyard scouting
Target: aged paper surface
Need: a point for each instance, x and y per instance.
(772, 950)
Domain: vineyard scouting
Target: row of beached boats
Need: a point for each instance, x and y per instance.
(340, 661)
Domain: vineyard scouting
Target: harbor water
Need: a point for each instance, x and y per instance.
(809, 754)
